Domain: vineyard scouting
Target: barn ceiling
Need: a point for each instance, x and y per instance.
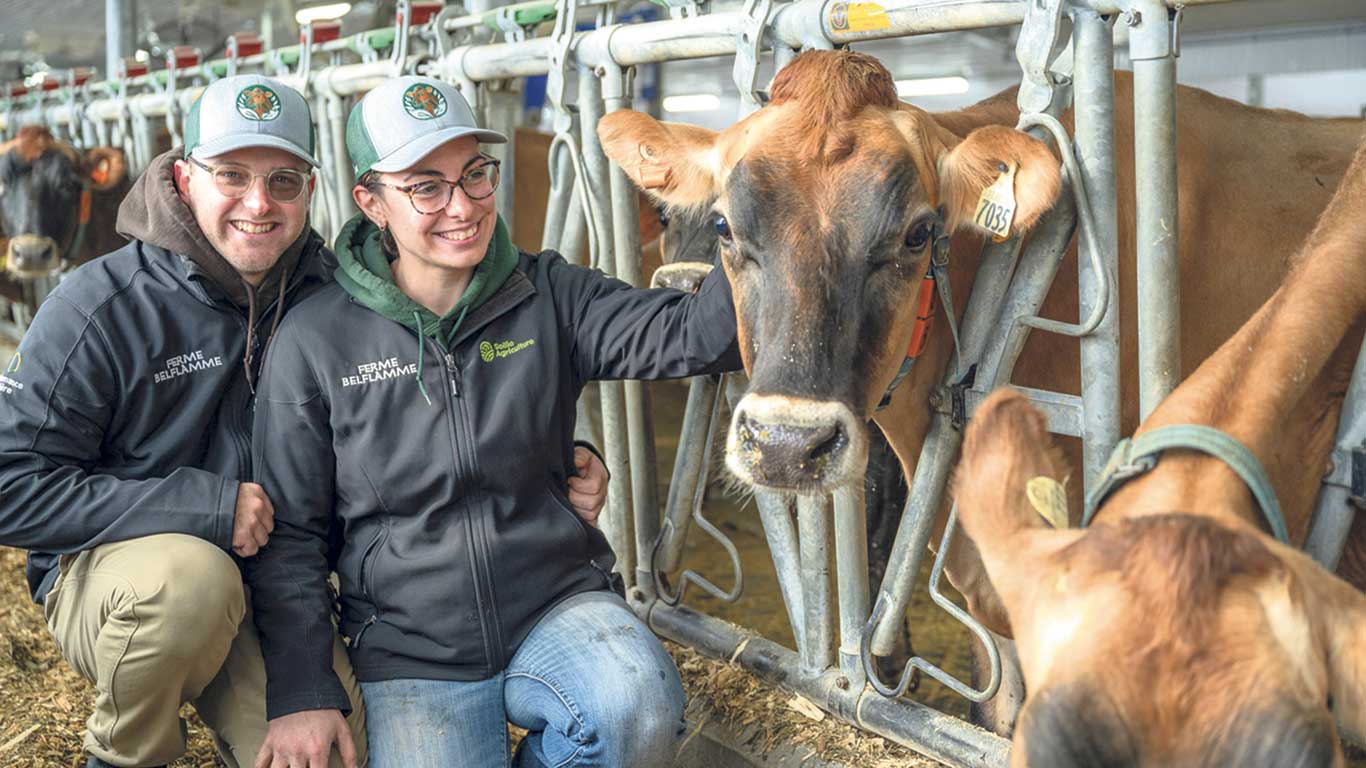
(65, 33)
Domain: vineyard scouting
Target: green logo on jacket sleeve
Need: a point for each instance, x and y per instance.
(489, 351)
(258, 103)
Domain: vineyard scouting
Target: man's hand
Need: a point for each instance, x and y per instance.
(253, 520)
(305, 739)
(588, 491)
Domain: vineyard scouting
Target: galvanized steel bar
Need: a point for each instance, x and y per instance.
(775, 513)
(851, 569)
(940, 447)
(616, 89)
(1093, 96)
(929, 732)
(1334, 510)
(1159, 270)
(813, 524)
(687, 471)
(617, 516)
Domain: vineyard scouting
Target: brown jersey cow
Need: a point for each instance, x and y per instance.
(825, 202)
(1175, 631)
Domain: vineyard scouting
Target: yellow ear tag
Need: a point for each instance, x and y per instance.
(1049, 499)
(996, 206)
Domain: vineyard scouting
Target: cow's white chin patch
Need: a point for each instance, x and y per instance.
(795, 444)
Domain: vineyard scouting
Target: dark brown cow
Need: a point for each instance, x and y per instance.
(1175, 631)
(46, 188)
(826, 199)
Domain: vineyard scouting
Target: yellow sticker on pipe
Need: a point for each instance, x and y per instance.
(858, 17)
(996, 206)
(1049, 499)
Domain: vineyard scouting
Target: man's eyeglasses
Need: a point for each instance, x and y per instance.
(284, 185)
(433, 195)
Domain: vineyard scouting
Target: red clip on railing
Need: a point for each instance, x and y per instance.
(323, 31)
(244, 44)
(131, 68)
(182, 57)
(423, 12)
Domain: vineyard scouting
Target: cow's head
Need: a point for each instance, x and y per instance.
(1168, 639)
(43, 197)
(824, 204)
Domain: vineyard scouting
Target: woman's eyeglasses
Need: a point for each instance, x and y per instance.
(433, 195)
(284, 185)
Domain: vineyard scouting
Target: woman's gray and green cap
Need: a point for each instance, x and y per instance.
(249, 111)
(403, 120)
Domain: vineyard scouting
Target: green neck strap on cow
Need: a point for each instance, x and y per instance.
(1135, 456)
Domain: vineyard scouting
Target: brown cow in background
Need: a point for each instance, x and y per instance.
(46, 186)
(1175, 631)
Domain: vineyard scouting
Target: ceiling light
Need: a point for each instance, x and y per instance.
(692, 102)
(327, 12)
(931, 86)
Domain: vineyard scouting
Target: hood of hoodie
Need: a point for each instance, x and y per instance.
(364, 272)
(154, 213)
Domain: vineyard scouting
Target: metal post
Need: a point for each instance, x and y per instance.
(687, 472)
(616, 517)
(940, 448)
(1333, 510)
(1093, 111)
(616, 86)
(117, 41)
(775, 512)
(1153, 54)
(813, 523)
(851, 568)
(342, 175)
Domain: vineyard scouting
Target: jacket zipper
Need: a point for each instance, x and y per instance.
(488, 614)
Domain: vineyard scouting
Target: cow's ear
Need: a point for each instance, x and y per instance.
(106, 167)
(1339, 612)
(986, 159)
(672, 162)
(1010, 491)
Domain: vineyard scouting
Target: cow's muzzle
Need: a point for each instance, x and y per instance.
(32, 256)
(793, 444)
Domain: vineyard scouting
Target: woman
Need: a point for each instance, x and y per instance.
(422, 410)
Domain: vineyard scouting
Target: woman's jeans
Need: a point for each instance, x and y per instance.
(590, 683)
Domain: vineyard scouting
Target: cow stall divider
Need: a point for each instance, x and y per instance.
(593, 200)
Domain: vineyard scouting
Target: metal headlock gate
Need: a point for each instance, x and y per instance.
(590, 198)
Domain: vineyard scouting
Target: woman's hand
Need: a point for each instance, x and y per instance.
(305, 740)
(588, 491)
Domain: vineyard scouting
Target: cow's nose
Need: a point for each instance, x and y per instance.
(795, 445)
(32, 256)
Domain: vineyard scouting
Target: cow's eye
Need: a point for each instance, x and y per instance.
(723, 228)
(663, 216)
(919, 236)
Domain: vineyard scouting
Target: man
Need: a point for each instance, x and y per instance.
(125, 427)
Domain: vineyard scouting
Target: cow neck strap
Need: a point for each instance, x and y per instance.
(1136, 456)
(936, 277)
(82, 220)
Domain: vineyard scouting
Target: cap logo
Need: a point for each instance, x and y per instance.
(424, 102)
(258, 103)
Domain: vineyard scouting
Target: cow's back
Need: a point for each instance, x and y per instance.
(1252, 183)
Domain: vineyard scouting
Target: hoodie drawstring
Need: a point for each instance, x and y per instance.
(421, 342)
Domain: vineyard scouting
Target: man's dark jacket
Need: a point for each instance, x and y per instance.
(126, 411)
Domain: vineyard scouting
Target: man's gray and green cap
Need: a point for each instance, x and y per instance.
(403, 120)
(249, 111)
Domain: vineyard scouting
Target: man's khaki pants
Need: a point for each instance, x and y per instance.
(159, 621)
